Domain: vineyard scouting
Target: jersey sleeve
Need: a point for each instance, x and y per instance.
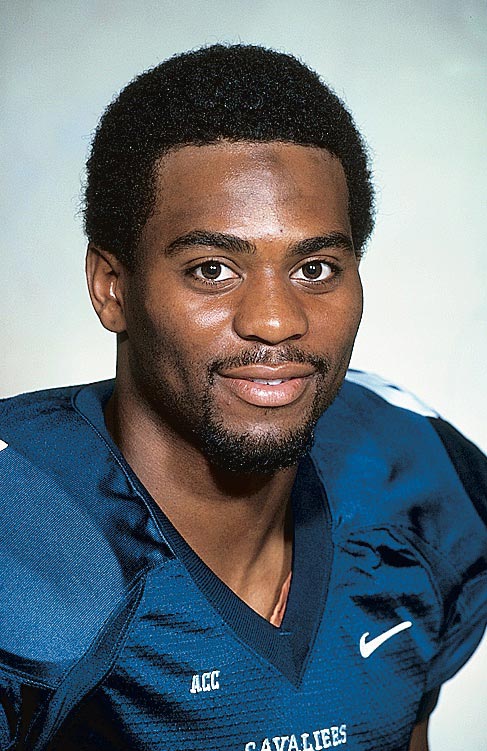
(466, 601)
(434, 486)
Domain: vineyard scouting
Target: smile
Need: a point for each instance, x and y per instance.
(275, 382)
(268, 386)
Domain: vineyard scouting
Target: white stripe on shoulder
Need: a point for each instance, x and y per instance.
(3, 445)
(389, 392)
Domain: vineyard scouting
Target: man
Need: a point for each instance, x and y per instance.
(231, 547)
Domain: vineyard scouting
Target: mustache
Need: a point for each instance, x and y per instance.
(274, 356)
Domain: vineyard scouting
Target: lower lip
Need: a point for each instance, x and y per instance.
(267, 395)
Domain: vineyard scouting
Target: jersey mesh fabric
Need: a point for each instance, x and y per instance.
(114, 635)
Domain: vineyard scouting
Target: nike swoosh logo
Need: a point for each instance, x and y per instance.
(367, 647)
(3, 445)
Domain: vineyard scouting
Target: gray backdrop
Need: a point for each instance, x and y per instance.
(412, 73)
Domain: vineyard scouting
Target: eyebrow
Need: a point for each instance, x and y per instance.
(236, 244)
(322, 242)
(210, 239)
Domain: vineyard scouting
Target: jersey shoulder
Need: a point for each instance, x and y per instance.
(371, 383)
(387, 458)
(40, 424)
(404, 483)
(468, 460)
(66, 506)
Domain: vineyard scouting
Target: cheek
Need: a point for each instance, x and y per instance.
(188, 332)
(337, 319)
(352, 306)
(199, 320)
(355, 311)
(209, 320)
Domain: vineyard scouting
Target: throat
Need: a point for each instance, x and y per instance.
(265, 588)
(240, 526)
(254, 566)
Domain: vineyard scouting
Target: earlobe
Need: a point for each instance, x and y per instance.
(104, 274)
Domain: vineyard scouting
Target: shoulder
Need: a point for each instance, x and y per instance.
(385, 458)
(38, 430)
(37, 418)
(380, 425)
(406, 486)
(25, 406)
(400, 409)
(47, 438)
(60, 490)
(369, 384)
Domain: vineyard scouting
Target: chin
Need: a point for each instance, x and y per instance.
(248, 453)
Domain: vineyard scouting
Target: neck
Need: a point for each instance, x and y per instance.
(240, 525)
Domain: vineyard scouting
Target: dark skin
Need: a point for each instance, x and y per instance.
(248, 250)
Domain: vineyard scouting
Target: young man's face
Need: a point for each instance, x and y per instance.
(243, 311)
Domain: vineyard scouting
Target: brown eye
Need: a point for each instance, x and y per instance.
(314, 271)
(211, 270)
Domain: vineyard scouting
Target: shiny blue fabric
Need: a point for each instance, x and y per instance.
(114, 635)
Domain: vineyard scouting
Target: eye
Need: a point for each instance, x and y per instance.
(314, 271)
(213, 271)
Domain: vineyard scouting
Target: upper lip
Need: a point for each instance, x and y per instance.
(269, 372)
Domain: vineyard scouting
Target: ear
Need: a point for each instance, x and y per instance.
(105, 276)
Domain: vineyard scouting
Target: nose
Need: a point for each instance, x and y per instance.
(270, 311)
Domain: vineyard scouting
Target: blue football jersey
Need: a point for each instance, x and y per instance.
(115, 635)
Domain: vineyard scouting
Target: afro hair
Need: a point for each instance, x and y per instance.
(235, 93)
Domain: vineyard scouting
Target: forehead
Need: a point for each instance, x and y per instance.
(251, 189)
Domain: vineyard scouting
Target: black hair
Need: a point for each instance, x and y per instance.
(236, 93)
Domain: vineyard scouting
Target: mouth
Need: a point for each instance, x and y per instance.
(269, 386)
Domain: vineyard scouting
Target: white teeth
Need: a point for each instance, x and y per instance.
(274, 382)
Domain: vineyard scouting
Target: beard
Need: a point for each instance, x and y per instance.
(249, 454)
(191, 411)
(269, 450)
